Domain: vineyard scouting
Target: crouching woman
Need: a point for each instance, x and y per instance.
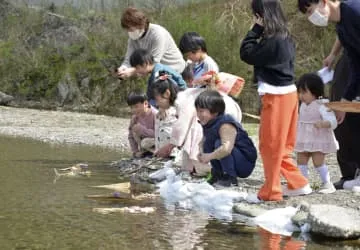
(226, 145)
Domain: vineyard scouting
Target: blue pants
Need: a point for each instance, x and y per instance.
(235, 164)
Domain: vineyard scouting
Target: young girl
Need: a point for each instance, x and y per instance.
(193, 46)
(269, 47)
(165, 95)
(225, 143)
(315, 136)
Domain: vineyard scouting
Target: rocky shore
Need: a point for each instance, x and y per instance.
(111, 132)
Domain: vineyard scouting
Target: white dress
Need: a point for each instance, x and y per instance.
(312, 139)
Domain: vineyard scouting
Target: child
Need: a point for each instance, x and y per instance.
(143, 61)
(269, 47)
(225, 143)
(315, 136)
(165, 95)
(193, 46)
(141, 128)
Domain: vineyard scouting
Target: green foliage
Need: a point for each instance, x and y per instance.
(34, 71)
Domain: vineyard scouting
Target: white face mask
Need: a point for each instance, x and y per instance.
(136, 34)
(318, 19)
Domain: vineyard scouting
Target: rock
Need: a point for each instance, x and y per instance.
(248, 209)
(301, 216)
(5, 99)
(334, 221)
(131, 210)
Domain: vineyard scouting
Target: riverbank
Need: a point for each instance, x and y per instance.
(111, 132)
(65, 127)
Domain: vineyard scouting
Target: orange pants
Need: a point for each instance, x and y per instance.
(277, 137)
(271, 241)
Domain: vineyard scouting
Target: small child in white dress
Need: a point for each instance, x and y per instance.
(315, 135)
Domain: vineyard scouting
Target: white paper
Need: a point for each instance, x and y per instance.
(326, 74)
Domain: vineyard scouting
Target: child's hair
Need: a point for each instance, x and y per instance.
(311, 82)
(161, 84)
(135, 98)
(188, 73)
(133, 17)
(141, 57)
(273, 16)
(211, 100)
(192, 42)
(303, 5)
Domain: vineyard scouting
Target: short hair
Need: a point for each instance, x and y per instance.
(303, 5)
(135, 98)
(192, 42)
(159, 87)
(211, 100)
(133, 17)
(188, 73)
(311, 82)
(141, 57)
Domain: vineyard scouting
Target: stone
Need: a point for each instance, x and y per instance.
(250, 210)
(5, 99)
(334, 221)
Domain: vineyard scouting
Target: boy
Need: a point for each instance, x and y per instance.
(225, 143)
(144, 64)
(142, 125)
(346, 15)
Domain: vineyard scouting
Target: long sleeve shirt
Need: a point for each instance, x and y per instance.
(147, 123)
(348, 31)
(162, 46)
(273, 57)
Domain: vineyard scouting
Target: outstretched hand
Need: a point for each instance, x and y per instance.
(165, 151)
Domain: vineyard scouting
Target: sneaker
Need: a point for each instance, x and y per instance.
(296, 192)
(352, 183)
(227, 181)
(327, 188)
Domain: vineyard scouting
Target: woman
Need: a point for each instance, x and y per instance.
(151, 37)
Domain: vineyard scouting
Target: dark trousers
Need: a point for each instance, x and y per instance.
(234, 164)
(347, 133)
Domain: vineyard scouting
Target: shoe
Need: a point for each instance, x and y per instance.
(227, 181)
(352, 183)
(327, 188)
(340, 183)
(213, 177)
(296, 192)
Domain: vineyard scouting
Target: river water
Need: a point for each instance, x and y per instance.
(38, 213)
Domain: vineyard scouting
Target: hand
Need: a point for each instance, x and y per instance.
(165, 151)
(137, 128)
(124, 72)
(340, 116)
(318, 124)
(137, 154)
(204, 158)
(259, 20)
(329, 61)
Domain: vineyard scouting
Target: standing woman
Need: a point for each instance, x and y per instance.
(151, 37)
(269, 47)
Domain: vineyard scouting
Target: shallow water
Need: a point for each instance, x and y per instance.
(36, 213)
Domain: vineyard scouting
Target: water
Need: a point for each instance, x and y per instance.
(36, 213)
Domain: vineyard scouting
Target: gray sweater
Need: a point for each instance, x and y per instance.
(162, 46)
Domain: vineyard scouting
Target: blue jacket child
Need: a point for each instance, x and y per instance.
(144, 63)
(226, 145)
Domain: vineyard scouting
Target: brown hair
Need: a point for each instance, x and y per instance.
(133, 17)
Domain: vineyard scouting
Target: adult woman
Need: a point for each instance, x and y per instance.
(151, 37)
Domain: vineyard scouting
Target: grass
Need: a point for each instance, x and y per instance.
(33, 71)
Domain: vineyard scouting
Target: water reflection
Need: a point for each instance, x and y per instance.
(37, 214)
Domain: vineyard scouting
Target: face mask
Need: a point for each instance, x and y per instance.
(318, 19)
(136, 34)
